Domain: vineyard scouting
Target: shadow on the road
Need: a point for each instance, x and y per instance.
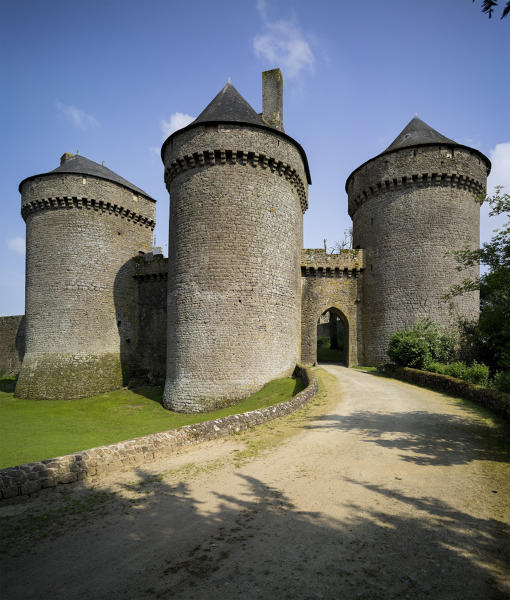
(254, 544)
(427, 438)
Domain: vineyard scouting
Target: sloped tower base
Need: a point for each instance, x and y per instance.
(64, 376)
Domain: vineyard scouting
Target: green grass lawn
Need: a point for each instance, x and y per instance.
(33, 430)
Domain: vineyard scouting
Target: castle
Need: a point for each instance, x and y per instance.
(238, 300)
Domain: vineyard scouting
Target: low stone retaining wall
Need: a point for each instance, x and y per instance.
(498, 402)
(30, 478)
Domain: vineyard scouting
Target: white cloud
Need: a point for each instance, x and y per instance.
(283, 44)
(155, 150)
(177, 121)
(500, 175)
(77, 116)
(500, 172)
(17, 245)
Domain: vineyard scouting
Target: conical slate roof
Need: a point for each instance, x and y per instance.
(230, 107)
(227, 106)
(416, 133)
(81, 165)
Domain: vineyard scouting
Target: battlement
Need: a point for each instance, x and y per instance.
(430, 166)
(316, 262)
(151, 267)
(85, 203)
(240, 157)
(417, 180)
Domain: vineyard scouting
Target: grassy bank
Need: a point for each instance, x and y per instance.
(33, 430)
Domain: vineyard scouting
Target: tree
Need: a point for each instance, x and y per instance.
(488, 7)
(489, 340)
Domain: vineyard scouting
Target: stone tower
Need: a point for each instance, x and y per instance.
(410, 205)
(84, 224)
(238, 189)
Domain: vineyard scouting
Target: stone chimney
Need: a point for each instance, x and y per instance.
(272, 98)
(65, 157)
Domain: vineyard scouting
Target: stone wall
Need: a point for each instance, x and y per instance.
(236, 199)
(409, 208)
(82, 233)
(331, 281)
(151, 274)
(30, 478)
(496, 401)
(12, 343)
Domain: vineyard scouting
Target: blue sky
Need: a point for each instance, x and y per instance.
(111, 77)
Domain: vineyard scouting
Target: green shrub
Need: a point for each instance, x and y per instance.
(501, 381)
(477, 373)
(420, 345)
(409, 349)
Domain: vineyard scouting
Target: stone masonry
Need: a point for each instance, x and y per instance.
(82, 233)
(237, 194)
(410, 206)
(12, 344)
(238, 301)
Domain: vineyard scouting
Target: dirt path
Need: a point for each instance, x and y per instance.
(379, 490)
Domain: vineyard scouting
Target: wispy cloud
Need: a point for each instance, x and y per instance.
(176, 121)
(500, 172)
(17, 245)
(500, 175)
(283, 43)
(76, 116)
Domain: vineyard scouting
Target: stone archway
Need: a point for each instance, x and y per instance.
(333, 336)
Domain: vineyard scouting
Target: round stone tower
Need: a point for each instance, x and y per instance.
(410, 205)
(84, 224)
(238, 189)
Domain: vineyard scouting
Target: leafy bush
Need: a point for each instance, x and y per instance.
(422, 344)
(476, 373)
(501, 381)
(409, 349)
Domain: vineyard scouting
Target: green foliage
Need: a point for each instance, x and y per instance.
(33, 430)
(489, 340)
(476, 373)
(408, 349)
(501, 381)
(418, 346)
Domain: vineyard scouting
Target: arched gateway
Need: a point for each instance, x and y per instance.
(331, 282)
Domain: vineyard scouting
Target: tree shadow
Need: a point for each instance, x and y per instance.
(153, 539)
(426, 438)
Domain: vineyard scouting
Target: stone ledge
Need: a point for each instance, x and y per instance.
(498, 402)
(27, 479)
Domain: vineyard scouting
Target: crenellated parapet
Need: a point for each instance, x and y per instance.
(256, 160)
(33, 206)
(415, 180)
(154, 268)
(416, 168)
(316, 262)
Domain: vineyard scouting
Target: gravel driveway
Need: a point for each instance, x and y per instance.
(378, 490)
